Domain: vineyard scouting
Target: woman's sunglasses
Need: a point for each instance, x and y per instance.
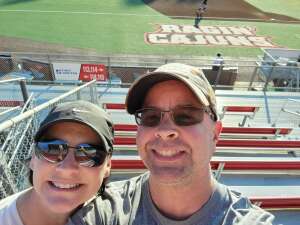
(55, 151)
(181, 116)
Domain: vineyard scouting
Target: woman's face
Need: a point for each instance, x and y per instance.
(62, 187)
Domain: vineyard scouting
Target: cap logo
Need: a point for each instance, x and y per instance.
(195, 72)
(79, 110)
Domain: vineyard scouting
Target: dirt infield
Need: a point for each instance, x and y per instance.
(8, 44)
(216, 9)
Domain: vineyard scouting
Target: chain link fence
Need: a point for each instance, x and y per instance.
(243, 74)
(11, 97)
(16, 137)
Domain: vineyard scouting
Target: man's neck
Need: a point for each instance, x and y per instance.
(181, 201)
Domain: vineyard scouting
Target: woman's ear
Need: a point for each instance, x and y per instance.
(107, 166)
(32, 161)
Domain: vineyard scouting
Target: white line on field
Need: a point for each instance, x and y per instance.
(81, 12)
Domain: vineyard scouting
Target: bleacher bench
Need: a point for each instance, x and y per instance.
(133, 162)
(125, 164)
(10, 103)
(263, 132)
(245, 111)
(242, 143)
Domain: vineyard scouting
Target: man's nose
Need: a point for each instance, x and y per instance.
(166, 128)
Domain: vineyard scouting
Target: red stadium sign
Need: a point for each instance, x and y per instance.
(89, 72)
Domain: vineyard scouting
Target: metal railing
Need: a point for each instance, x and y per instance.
(242, 74)
(290, 106)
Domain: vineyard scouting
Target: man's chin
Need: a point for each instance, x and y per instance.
(168, 175)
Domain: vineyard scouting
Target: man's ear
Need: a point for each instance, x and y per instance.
(218, 129)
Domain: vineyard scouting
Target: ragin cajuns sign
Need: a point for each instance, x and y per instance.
(208, 35)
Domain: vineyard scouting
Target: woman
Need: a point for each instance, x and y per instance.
(69, 166)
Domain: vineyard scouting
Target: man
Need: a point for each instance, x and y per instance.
(199, 13)
(175, 109)
(198, 17)
(218, 62)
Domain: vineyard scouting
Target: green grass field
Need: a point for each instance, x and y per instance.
(118, 26)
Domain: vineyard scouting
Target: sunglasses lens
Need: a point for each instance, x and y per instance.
(182, 116)
(90, 155)
(85, 154)
(148, 117)
(187, 116)
(52, 151)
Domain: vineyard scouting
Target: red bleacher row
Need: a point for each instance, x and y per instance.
(10, 103)
(241, 143)
(271, 202)
(225, 130)
(226, 108)
(276, 202)
(134, 162)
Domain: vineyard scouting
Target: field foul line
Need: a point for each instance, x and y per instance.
(83, 12)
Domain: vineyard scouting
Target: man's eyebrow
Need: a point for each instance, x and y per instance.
(190, 105)
(177, 106)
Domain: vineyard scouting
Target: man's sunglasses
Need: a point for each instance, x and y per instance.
(55, 151)
(182, 115)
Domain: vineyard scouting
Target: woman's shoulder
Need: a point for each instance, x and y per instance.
(8, 209)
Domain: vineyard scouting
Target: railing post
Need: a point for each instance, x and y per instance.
(252, 78)
(218, 76)
(108, 67)
(24, 90)
(269, 77)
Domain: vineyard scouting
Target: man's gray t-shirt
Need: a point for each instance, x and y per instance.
(129, 202)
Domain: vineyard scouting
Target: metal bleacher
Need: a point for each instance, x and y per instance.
(258, 156)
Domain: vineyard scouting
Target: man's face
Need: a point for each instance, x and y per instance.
(172, 153)
(63, 186)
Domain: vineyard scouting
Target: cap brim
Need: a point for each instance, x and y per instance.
(55, 121)
(140, 87)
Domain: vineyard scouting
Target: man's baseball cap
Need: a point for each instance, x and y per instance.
(83, 112)
(191, 76)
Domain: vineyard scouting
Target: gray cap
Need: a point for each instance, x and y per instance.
(82, 112)
(191, 76)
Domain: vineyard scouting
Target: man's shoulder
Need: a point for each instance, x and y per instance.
(242, 211)
(115, 205)
(127, 185)
(122, 192)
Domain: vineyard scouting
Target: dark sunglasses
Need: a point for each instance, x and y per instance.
(55, 151)
(182, 115)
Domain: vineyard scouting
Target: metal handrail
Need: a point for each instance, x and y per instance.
(12, 80)
(9, 110)
(31, 112)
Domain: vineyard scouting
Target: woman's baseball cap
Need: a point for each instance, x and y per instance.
(83, 112)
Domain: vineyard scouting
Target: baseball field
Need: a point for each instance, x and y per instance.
(137, 27)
